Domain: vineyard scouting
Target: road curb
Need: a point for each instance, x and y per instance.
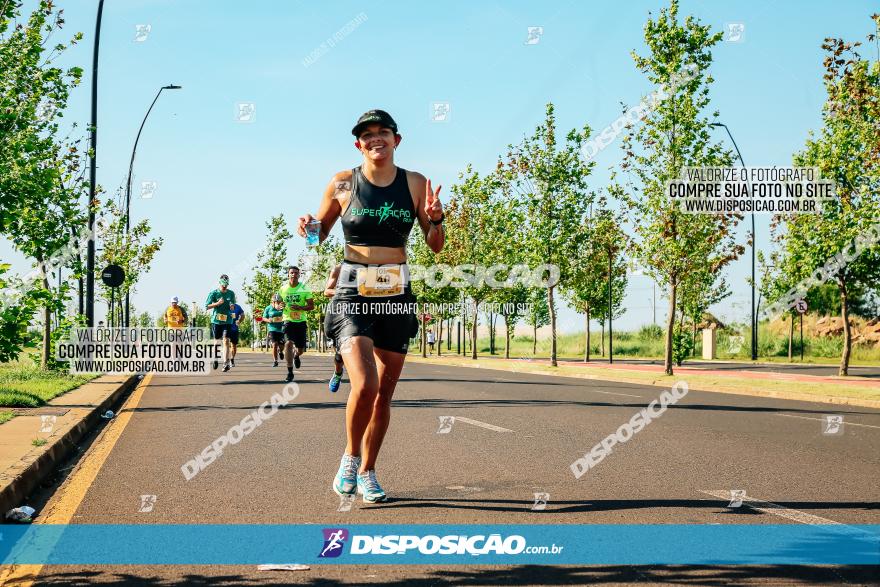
(20, 480)
(771, 394)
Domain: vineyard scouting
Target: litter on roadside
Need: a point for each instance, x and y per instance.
(22, 515)
(283, 568)
(108, 415)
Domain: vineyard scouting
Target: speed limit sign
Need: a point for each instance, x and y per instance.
(801, 306)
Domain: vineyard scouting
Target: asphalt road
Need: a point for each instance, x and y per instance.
(707, 444)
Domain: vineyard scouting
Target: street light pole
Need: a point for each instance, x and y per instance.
(93, 173)
(128, 183)
(754, 316)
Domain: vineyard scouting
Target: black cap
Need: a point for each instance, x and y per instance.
(374, 117)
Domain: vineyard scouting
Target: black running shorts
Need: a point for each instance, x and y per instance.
(390, 322)
(296, 332)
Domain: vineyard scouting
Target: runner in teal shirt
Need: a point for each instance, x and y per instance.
(273, 316)
(221, 302)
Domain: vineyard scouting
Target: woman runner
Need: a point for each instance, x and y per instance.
(378, 204)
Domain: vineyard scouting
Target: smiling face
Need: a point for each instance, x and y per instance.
(293, 275)
(377, 142)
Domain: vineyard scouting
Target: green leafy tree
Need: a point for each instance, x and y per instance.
(513, 304)
(144, 320)
(538, 314)
(315, 266)
(271, 268)
(548, 177)
(673, 134)
(847, 150)
(475, 220)
(39, 180)
(33, 96)
(17, 308)
(134, 252)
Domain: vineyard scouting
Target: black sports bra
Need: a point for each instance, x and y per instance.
(378, 216)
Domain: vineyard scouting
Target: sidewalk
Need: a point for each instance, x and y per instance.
(61, 423)
(817, 388)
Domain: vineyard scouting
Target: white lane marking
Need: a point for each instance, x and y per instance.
(823, 419)
(612, 393)
(481, 424)
(774, 508)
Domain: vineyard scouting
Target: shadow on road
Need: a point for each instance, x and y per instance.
(605, 505)
(515, 575)
(507, 403)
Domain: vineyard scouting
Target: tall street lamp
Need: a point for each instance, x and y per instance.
(93, 173)
(754, 317)
(128, 183)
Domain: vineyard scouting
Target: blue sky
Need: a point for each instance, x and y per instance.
(219, 180)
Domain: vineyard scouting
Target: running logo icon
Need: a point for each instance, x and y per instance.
(446, 423)
(334, 540)
(541, 500)
(736, 498)
(832, 425)
(47, 423)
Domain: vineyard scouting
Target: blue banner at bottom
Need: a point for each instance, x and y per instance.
(643, 544)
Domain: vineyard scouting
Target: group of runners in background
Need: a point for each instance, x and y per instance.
(285, 317)
(378, 204)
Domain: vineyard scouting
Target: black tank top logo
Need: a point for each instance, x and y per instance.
(383, 212)
(378, 216)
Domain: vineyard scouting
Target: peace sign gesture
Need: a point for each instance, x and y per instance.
(433, 208)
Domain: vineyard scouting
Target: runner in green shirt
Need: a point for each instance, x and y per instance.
(298, 301)
(273, 316)
(221, 301)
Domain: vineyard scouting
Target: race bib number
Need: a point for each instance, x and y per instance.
(221, 317)
(277, 319)
(379, 282)
(295, 315)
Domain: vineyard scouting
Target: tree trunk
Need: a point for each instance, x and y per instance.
(534, 338)
(491, 333)
(439, 336)
(552, 326)
(694, 339)
(424, 333)
(587, 350)
(506, 338)
(474, 330)
(670, 326)
(602, 345)
(47, 326)
(790, 335)
(847, 332)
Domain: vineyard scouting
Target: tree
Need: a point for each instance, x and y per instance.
(33, 95)
(144, 320)
(271, 269)
(133, 251)
(513, 303)
(39, 179)
(315, 265)
(674, 133)
(475, 220)
(601, 240)
(538, 314)
(16, 313)
(847, 150)
(548, 177)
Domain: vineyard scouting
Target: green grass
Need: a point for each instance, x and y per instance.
(6, 416)
(39, 441)
(25, 385)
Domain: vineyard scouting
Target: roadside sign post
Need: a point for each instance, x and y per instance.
(113, 276)
(801, 306)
